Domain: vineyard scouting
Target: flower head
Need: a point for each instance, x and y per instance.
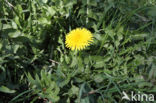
(78, 39)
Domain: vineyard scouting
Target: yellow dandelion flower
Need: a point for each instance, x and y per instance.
(78, 39)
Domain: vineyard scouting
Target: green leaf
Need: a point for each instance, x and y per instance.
(43, 1)
(51, 11)
(14, 34)
(14, 25)
(99, 64)
(152, 11)
(6, 90)
(98, 78)
(74, 90)
(21, 94)
(44, 21)
(83, 97)
(1, 46)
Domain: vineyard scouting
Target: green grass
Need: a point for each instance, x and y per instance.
(36, 67)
